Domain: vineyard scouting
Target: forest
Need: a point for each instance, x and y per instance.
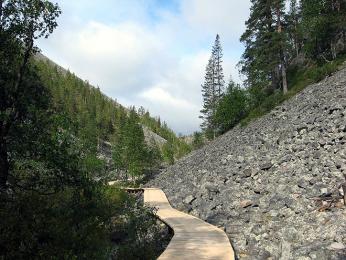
(54, 201)
(288, 45)
(97, 118)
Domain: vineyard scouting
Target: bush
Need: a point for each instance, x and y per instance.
(197, 141)
(232, 108)
(70, 224)
(136, 233)
(168, 153)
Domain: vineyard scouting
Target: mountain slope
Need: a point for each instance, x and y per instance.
(262, 183)
(98, 116)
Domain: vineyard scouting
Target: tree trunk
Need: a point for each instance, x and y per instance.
(282, 54)
(4, 164)
(296, 39)
(284, 78)
(24, 64)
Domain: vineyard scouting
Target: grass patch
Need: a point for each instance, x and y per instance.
(298, 79)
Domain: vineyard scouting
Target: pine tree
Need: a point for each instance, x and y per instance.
(212, 89)
(264, 59)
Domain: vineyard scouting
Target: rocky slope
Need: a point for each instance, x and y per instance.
(152, 138)
(270, 184)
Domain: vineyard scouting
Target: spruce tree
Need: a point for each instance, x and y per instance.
(218, 77)
(134, 151)
(212, 89)
(208, 98)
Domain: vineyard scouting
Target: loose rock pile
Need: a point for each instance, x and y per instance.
(266, 184)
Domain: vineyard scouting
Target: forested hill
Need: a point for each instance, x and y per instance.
(51, 125)
(99, 117)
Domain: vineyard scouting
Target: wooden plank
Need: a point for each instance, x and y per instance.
(193, 238)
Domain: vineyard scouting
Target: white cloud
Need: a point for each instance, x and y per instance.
(156, 63)
(177, 109)
(118, 58)
(162, 97)
(225, 17)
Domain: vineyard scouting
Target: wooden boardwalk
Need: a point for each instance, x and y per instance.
(193, 238)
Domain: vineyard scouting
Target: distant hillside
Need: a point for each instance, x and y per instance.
(274, 185)
(97, 116)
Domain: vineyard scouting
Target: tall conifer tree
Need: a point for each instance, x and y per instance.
(212, 89)
(218, 77)
(264, 59)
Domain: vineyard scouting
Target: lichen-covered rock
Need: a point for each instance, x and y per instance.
(280, 163)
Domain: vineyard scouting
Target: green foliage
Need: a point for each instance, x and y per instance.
(197, 141)
(134, 150)
(168, 153)
(180, 147)
(66, 225)
(21, 22)
(273, 39)
(130, 152)
(53, 171)
(95, 115)
(69, 216)
(232, 108)
(51, 168)
(137, 232)
(238, 105)
(264, 45)
(298, 47)
(154, 156)
(212, 89)
(323, 24)
(51, 207)
(98, 117)
(298, 80)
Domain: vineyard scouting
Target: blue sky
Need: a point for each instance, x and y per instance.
(149, 52)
